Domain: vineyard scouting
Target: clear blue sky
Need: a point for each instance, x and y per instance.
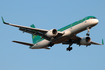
(48, 14)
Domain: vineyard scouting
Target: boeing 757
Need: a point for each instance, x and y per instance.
(43, 39)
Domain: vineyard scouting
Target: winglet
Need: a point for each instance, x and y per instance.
(3, 20)
(102, 42)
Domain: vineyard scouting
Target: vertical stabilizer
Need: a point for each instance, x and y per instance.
(35, 38)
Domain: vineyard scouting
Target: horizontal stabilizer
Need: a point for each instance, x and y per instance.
(24, 43)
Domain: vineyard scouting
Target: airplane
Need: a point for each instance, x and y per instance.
(43, 39)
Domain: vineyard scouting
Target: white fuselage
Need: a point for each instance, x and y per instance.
(67, 33)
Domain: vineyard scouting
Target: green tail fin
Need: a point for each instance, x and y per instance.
(35, 38)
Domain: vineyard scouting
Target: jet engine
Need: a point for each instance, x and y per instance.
(85, 41)
(52, 33)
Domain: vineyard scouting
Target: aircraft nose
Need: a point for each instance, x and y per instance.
(96, 21)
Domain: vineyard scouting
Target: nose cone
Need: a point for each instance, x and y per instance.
(93, 21)
(96, 21)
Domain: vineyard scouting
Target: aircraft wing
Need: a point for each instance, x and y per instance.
(35, 31)
(24, 27)
(95, 43)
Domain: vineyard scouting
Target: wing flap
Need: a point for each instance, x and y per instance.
(24, 43)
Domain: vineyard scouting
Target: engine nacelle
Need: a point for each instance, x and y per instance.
(52, 33)
(85, 41)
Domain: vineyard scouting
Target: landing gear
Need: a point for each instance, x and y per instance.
(88, 30)
(51, 44)
(69, 48)
(87, 34)
(70, 43)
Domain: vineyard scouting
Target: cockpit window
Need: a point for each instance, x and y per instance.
(93, 18)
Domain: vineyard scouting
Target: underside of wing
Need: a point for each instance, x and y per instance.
(96, 43)
(73, 38)
(34, 31)
(82, 41)
(24, 27)
(27, 28)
